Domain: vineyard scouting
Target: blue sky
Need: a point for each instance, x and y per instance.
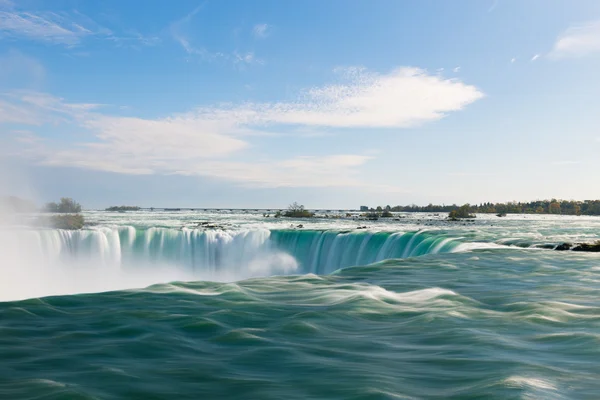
(328, 103)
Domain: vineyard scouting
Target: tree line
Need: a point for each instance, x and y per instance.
(553, 206)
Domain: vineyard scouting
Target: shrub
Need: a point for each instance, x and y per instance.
(66, 221)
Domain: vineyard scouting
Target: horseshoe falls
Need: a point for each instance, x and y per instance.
(310, 251)
(235, 305)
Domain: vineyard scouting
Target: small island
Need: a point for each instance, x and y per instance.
(68, 218)
(66, 221)
(122, 208)
(463, 212)
(295, 210)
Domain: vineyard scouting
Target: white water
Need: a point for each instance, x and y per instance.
(165, 247)
(46, 262)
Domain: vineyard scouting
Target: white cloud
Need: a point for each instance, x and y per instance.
(578, 41)
(535, 57)
(216, 141)
(513, 60)
(11, 113)
(261, 30)
(404, 97)
(456, 69)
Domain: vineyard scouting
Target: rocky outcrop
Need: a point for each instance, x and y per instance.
(587, 247)
(593, 247)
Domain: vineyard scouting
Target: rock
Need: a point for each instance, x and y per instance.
(563, 247)
(210, 225)
(591, 247)
(587, 247)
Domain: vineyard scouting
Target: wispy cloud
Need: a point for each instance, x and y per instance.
(30, 107)
(456, 69)
(210, 141)
(578, 41)
(535, 57)
(67, 29)
(46, 27)
(178, 27)
(261, 30)
(247, 58)
(513, 60)
(134, 39)
(180, 33)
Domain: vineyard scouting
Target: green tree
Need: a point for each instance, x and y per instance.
(66, 206)
(463, 211)
(296, 210)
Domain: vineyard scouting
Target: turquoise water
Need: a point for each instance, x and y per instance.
(415, 308)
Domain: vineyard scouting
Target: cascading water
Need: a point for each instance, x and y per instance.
(46, 262)
(322, 252)
(238, 253)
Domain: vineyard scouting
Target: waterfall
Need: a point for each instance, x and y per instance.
(47, 262)
(209, 252)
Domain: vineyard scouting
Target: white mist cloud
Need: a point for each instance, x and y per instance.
(217, 141)
(578, 41)
(535, 57)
